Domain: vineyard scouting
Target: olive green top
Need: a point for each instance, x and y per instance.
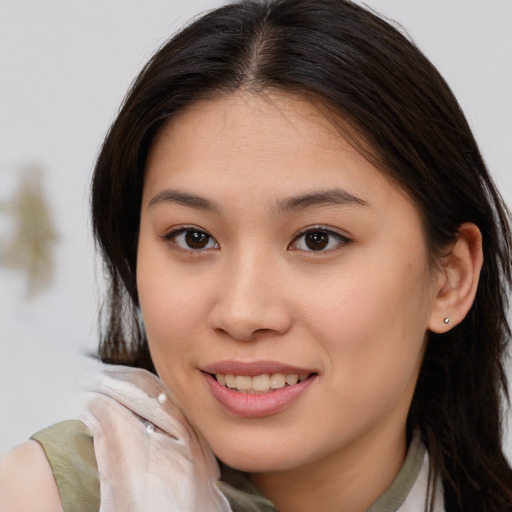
(69, 447)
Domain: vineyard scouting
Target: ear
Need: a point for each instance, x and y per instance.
(457, 279)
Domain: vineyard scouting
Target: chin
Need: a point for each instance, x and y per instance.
(259, 460)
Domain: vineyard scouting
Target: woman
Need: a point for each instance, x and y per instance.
(304, 244)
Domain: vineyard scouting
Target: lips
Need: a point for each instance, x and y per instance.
(259, 388)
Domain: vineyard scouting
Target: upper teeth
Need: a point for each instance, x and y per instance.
(261, 383)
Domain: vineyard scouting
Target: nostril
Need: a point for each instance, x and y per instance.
(239, 334)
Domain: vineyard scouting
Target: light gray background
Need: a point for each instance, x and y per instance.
(64, 69)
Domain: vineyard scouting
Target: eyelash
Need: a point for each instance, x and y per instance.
(341, 240)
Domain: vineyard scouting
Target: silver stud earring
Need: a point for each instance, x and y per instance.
(447, 320)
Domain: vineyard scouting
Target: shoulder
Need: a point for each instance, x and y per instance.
(26, 481)
(54, 472)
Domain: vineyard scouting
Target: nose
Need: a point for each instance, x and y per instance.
(250, 301)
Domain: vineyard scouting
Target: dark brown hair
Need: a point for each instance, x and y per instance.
(394, 99)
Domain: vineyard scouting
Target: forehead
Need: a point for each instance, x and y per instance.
(254, 124)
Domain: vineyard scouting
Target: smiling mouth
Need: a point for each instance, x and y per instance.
(259, 384)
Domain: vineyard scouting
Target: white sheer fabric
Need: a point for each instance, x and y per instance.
(149, 457)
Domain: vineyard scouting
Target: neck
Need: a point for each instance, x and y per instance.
(348, 480)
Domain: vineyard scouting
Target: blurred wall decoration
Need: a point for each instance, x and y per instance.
(29, 247)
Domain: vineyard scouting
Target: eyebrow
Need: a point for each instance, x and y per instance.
(184, 199)
(334, 197)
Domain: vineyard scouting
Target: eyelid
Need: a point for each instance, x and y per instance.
(180, 228)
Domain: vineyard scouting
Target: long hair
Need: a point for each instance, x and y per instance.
(400, 113)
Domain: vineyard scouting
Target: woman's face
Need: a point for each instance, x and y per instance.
(272, 254)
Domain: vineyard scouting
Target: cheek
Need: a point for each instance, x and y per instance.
(386, 298)
(170, 317)
(170, 312)
(171, 305)
(372, 325)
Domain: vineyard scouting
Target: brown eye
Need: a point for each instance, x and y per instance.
(316, 240)
(196, 239)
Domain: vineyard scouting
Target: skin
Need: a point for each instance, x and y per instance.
(26, 481)
(357, 312)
